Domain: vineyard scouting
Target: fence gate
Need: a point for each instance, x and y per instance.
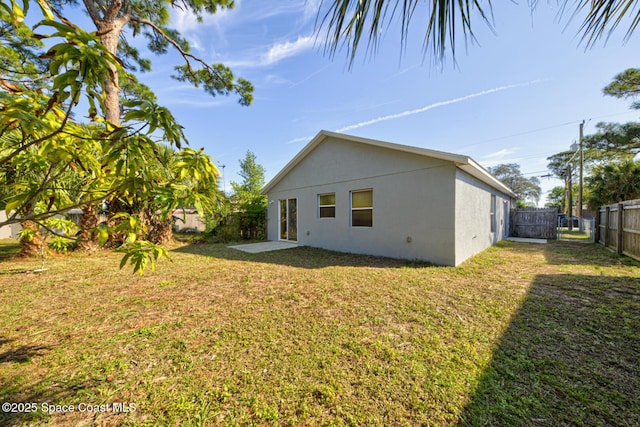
(533, 223)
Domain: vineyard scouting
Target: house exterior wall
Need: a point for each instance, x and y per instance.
(5, 232)
(8, 231)
(473, 216)
(413, 201)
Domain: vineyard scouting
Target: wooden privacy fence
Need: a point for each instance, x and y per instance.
(533, 223)
(618, 227)
(240, 225)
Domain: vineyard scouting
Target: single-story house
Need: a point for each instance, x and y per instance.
(359, 195)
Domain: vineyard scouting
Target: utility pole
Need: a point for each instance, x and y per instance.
(569, 198)
(580, 191)
(224, 184)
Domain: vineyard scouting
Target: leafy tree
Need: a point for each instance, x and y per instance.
(49, 163)
(625, 85)
(251, 203)
(347, 21)
(558, 163)
(527, 189)
(556, 198)
(252, 175)
(112, 19)
(565, 165)
(614, 141)
(149, 20)
(614, 182)
(612, 145)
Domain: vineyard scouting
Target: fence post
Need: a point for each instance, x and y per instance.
(596, 227)
(607, 224)
(620, 227)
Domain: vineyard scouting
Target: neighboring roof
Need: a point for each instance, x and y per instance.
(465, 163)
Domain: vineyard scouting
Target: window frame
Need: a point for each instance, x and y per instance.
(361, 208)
(321, 206)
(492, 214)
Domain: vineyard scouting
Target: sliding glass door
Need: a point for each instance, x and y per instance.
(289, 219)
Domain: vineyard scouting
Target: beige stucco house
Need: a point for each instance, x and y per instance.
(359, 195)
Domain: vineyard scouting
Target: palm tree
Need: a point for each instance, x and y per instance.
(614, 183)
(347, 21)
(160, 226)
(32, 242)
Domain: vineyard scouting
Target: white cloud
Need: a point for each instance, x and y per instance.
(284, 50)
(495, 161)
(275, 53)
(275, 80)
(504, 156)
(434, 105)
(500, 154)
(423, 109)
(301, 139)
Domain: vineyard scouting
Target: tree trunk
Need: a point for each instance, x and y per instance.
(109, 20)
(88, 223)
(110, 35)
(115, 239)
(159, 230)
(34, 246)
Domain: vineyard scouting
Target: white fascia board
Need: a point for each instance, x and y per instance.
(298, 157)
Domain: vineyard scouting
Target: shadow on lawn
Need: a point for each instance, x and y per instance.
(570, 354)
(22, 354)
(16, 394)
(301, 257)
(28, 408)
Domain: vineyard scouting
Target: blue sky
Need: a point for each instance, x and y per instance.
(516, 96)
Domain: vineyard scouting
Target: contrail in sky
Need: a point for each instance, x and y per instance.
(435, 105)
(428, 107)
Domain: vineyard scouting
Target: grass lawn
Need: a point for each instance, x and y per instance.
(522, 334)
(573, 235)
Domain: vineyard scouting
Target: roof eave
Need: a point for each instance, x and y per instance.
(463, 162)
(293, 162)
(477, 171)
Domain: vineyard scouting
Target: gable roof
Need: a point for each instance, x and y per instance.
(465, 163)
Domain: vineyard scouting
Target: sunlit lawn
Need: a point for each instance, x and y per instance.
(573, 235)
(520, 335)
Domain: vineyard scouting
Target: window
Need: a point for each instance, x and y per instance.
(327, 205)
(362, 208)
(492, 214)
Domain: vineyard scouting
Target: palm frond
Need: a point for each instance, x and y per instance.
(603, 17)
(345, 22)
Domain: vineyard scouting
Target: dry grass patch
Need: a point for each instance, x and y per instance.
(312, 337)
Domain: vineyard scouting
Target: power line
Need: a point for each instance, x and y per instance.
(541, 129)
(536, 172)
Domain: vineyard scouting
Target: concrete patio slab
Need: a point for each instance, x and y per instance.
(527, 240)
(254, 248)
